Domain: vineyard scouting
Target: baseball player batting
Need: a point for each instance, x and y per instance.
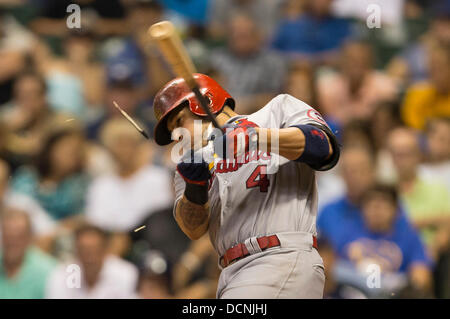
(259, 205)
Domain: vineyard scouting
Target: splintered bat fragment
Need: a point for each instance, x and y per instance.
(140, 228)
(131, 120)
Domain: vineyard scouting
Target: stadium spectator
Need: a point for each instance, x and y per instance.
(265, 13)
(125, 79)
(292, 9)
(136, 47)
(26, 117)
(411, 66)
(427, 203)
(153, 286)
(437, 165)
(300, 84)
(161, 233)
(94, 273)
(57, 180)
(315, 35)
(386, 241)
(251, 73)
(337, 218)
(75, 80)
(43, 225)
(334, 289)
(120, 202)
(357, 167)
(385, 118)
(24, 269)
(196, 273)
(430, 98)
(357, 133)
(15, 42)
(355, 90)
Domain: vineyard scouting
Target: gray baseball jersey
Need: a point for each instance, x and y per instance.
(268, 193)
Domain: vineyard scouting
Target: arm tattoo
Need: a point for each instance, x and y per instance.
(192, 215)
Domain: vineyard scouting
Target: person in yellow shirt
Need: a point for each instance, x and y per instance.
(430, 99)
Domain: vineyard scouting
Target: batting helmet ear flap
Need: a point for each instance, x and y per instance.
(174, 93)
(163, 133)
(230, 102)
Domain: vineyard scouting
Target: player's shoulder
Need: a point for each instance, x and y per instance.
(276, 103)
(278, 108)
(286, 100)
(281, 98)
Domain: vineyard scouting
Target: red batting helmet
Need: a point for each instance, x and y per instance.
(177, 93)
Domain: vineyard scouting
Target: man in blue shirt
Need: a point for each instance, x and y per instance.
(338, 218)
(386, 241)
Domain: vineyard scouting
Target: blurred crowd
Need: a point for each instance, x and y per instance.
(86, 202)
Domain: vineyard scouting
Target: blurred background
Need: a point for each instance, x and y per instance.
(78, 183)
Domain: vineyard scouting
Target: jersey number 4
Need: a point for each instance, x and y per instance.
(259, 179)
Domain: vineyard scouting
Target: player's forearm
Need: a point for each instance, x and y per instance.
(291, 141)
(192, 218)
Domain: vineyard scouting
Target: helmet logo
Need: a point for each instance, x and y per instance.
(209, 97)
